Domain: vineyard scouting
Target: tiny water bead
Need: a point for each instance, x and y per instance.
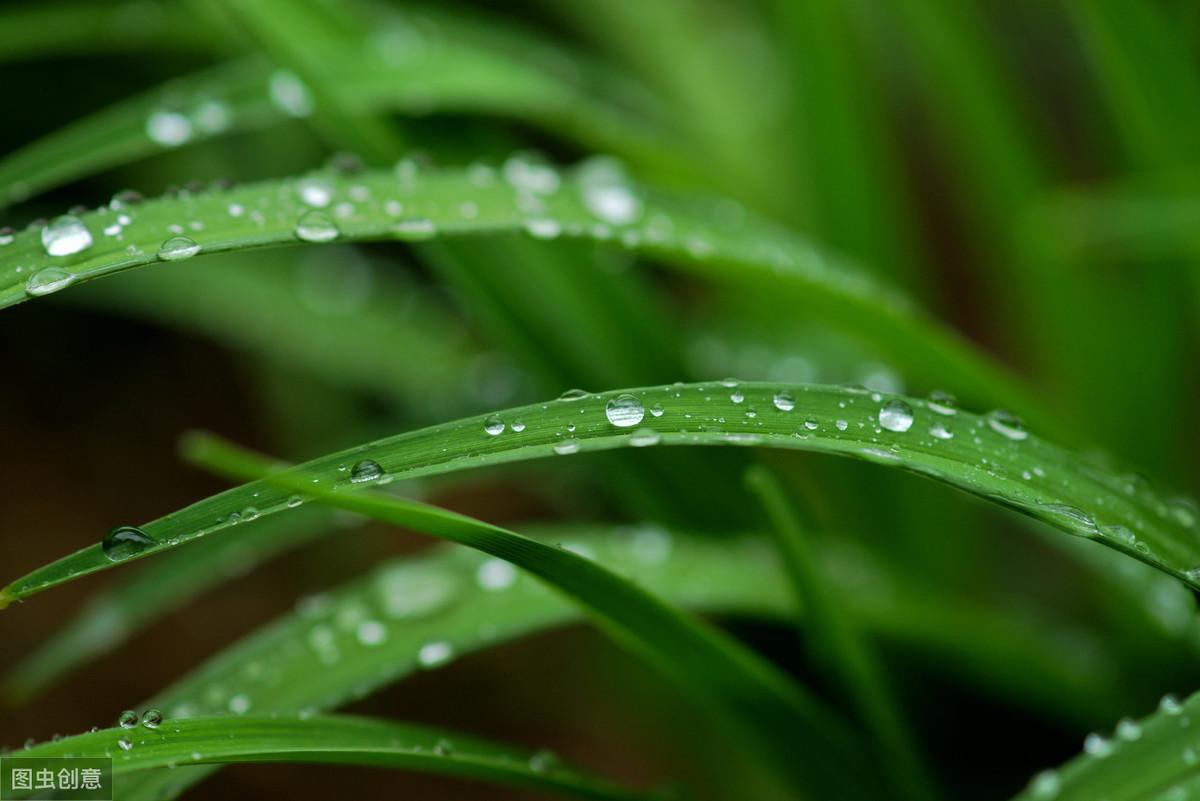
(624, 410)
(784, 401)
(366, 470)
(123, 542)
(65, 236)
(127, 719)
(48, 280)
(942, 403)
(1169, 705)
(644, 438)
(316, 226)
(566, 446)
(896, 415)
(1128, 729)
(493, 425)
(125, 743)
(1096, 745)
(152, 718)
(178, 248)
(1007, 425)
(574, 395)
(1045, 785)
(543, 228)
(434, 654)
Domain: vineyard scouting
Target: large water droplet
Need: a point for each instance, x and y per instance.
(178, 248)
(125, 541)
(624, 410)
(316, 226)
(493, 425)
(66, 235)
(366, 470)
(942, 403)
(127, 719)
(566, 446)
(574, 395)
(48, 280)
(896, 415)
(784, 401)
(152, 718)
(1007, 425)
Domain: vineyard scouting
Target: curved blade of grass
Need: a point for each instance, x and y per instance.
(834, 637)
(778, 716)
(1143, 760)
(986, 456)
(338, 740)
(695, 235)
(316, 660)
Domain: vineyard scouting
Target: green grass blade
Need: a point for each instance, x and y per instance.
(985, 456)
(1142, 760)
(833, 636)
(42, 30)
(778, 715)
(694, 235)
(337, 740)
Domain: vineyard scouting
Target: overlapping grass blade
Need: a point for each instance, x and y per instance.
(1152, 759)
(837, 643)
(695, 235)
(338, 740)
(41, 30)
(754, 696)
(989, 456)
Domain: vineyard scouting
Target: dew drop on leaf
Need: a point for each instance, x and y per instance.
(784, 401)
(495, 574)
(493, 425)
(152, 718)
(316, 226)
(366, 470)
(942, 403)
(896, 415)
(435, 653)
(168, 128)
(1007, 425)
(127, 719)
(574, 395)
(178, 248)
(65, 236)
(644, 437)
(125, 541)
(624, 410)
(125, 743)
(48, 280)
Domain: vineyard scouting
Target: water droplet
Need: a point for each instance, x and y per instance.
(493, 425)
(128, 719)
(644, 438)
(125, 743)
(543, 228)
(316, 226)
(433, 654)
(290, 94)
(942, 403)
(178, 248)
(414, 230)
(1169, 705)
(152, 718)
(1128, 729)
(416, 591)
(495, 574)
(896, 415)
(366, 470)
(939, 430)
(624, 410)
(168, 128)
(811, 424)
(443, 748)
(239, 704)
(784, 401)
(657, 410)
(543, 761)
(66, 235)
(124, 199)
(48, 280)
(1192, 574)
(566, 446)
(1097, 746)
(315, 192)
(371, 632)
(517, 426)
(574, 395)
(1045, 785)
(1007, 425)
(125, 541)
